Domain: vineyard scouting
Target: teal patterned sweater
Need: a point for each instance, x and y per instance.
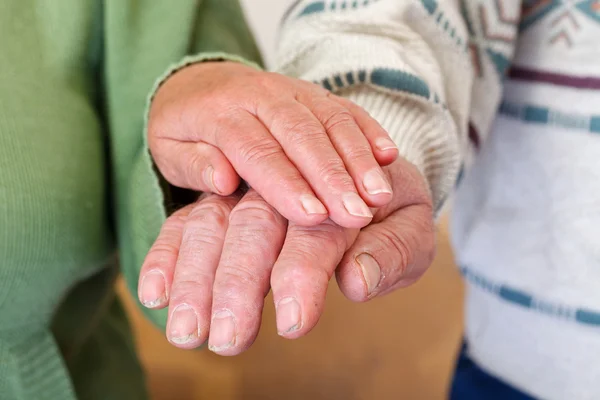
(501, 99)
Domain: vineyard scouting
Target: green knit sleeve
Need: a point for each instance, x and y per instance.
(221, 27)
(220, 34)
(143, 46)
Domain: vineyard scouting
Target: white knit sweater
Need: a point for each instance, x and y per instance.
(508, 90)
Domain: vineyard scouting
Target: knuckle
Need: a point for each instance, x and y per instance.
(300, 131)
(210, 216)
(195, 247)
(194, 168)
(391, 240)
(328, 235)
(358, 152)
(413, 240)
(258, 151)
(253, 212)
(237, 279)
(162, 250)
(338, 119)
(197, 241)
(333, 173)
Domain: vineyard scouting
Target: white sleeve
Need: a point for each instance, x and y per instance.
(409, 63)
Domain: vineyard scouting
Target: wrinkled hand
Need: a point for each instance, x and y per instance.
(300, 147)
(214, 262)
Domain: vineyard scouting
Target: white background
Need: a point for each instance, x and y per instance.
(264, 17)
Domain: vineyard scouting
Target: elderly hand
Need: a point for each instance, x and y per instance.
(214, 262)
(307, 152)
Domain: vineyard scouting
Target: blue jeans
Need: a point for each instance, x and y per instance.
(472, 383)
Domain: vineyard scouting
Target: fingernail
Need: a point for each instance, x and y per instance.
(222, 331)
(289, 316)
(153, 290)
(209, 179)
(385, 144)
(370, 270)
(355, 206)
(375, 183)
(183, 326)
(312, 205)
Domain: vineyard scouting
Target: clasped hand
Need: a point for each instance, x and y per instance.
(314, 163)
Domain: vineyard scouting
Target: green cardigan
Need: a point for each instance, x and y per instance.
(75, 173)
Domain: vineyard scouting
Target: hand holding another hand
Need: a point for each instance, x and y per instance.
(308, 153)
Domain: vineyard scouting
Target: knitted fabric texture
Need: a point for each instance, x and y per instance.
(503, 96)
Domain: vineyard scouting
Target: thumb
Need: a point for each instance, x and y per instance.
(398, 247)
(197, 166)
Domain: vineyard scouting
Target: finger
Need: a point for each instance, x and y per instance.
(353, 148)
(410, 187)
(397, 245)
(191, 292)
(390, 254)
(156, 274)
(194, 165)
(254, 239)
(261, 162)
(302, 272)
(308, 146)
(383, 147)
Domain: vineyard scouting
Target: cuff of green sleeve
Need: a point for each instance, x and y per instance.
(425, 134)
(195, 59)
